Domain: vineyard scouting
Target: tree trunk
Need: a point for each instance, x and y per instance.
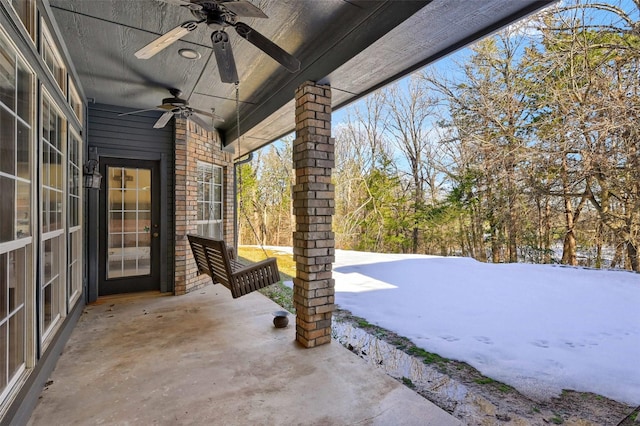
(512, 228)
(495, 243)
(547, 233)
(478, 239)
(599, 246)
(569, 255)
(632, 253)
(617, 255)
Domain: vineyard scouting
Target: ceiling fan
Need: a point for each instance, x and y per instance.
(219, 14)
(176, 106)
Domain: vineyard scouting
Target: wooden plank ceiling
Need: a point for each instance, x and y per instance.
(356, 46)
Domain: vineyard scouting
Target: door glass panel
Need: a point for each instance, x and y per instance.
(129, 225)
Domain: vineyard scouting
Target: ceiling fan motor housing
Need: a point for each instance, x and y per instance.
(176, 102)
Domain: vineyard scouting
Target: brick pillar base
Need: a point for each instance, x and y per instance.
(313, 205)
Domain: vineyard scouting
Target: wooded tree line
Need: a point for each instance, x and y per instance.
(528, 150)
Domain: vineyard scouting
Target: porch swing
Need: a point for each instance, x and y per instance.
(215, 259)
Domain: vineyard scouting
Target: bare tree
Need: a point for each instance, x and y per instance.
(412, 111)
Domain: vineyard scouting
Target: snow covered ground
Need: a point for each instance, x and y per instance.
(538, 328)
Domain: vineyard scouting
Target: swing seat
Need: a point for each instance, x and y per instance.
(216, 260)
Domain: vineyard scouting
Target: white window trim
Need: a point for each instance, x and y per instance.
(47, 335)
(211, 166)
(46, 37)
(31, 337)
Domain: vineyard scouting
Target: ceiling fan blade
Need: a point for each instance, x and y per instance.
(163, 120)
(268, 47)
(244, 8)
(208, 114)
(135, 112)
(200, 122)
(184, 3)
(165, 40)
(224, 57)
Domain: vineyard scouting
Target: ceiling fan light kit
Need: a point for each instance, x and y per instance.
(178, 107)
(189, 54)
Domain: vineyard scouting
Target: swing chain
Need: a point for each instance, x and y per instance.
(255, 234)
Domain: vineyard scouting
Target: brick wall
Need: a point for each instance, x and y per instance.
(194, 144)
(313, 205)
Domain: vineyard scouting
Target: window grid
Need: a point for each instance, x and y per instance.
(53, 135)
(209, 200)
(16, 147)
(50, 306)
(16, 85)
(74, 279)
(53, 250)
(74, 284)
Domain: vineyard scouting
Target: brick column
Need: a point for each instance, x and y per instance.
(313, 205)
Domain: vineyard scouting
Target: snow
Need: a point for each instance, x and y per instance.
(538, 328)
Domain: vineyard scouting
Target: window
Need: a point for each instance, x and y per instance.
(16, 153)
(26, 10)
(52, 59)
(75, 102)
(16, 85)
(74, 206)
(14, 272)
(209, 219)
(52, 166)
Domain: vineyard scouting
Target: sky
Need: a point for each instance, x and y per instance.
(538, 328)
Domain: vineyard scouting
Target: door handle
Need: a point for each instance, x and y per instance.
(155, 235)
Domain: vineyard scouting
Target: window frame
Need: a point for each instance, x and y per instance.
(24, 243)
(75, 232)
(207, 227)
(47, 42)
(32, 16)
(75, 102)
(58, 236)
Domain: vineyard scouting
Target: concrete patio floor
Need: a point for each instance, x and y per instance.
(206, 358)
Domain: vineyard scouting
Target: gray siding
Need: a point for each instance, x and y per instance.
(133, 136)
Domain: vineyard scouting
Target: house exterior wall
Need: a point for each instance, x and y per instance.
(193, 144)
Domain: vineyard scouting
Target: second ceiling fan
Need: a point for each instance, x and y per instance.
(218, 15)
(176, 106)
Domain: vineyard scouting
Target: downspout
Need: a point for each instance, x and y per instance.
(235, 198)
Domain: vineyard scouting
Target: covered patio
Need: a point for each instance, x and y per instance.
(205, 358)
(80, 103)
